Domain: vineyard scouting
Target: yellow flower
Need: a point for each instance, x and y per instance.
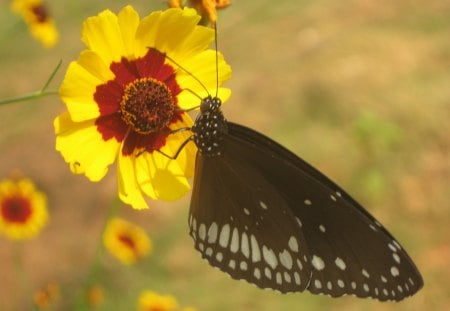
(206, 8)
(23, 209)
(38, 19)
(151, 301)
(125, 96)
(126, 241)
(46, 298)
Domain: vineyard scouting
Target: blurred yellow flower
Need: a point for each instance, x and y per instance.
(46, 298)
(126, 241)
(206, 8)
(151, 301)
(95, 296)
(38, 19)
(23, 209)
(125, 97)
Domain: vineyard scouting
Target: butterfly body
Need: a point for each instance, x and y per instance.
(260, 213)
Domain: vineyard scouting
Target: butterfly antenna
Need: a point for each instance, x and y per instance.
(189, 73)
(217, 59)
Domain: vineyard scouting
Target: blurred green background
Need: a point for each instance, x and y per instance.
(360, 89)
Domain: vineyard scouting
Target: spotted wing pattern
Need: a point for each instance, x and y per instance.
(260, 213)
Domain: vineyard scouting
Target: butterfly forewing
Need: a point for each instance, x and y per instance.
(244, 237)
(260, 213)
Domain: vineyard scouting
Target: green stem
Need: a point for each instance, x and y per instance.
(22, 275)
(35, 95)
(96, 265)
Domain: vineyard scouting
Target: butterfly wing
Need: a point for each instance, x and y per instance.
(314, 234)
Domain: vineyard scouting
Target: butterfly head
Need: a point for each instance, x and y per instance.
(210, 105)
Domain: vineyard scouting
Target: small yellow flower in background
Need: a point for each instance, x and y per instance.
(206, 8)
(40, 23)
(125, 97)
(46, 298)
(23, 209)
(126, 241)
(151, 301)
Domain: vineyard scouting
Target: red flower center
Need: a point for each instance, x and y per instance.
(40, 12)
(139, 104)
(127, 241)
(147, 105)
(16, 209)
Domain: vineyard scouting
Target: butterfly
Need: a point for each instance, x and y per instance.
(260, 213)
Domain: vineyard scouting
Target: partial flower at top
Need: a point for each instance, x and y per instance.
(126, 98)
(206, 8)
(23, 209)
(126, 241)
(38, 19)
(151, 301)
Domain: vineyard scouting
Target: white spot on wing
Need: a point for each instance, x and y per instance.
(365, 273)
(246, 211)
(257, 273)
(340, 263)
(243, 265)
(212, 233)
(256, 253)
(307, 202)
(234, 246)
(287, 277)
(232, 264)
(278, 277)
(394, 271)
(268, 273)
(219, 256)
(263, 205)
(317, 263)
(299, 222)
(366, 287)
(244, 245)
(396, 257)
(293, 244)
(340, 283)
(224, 235)
(317, 284)
(297, 278)
(269, 257)
(392, 247)
(322, 228)
(285, 259)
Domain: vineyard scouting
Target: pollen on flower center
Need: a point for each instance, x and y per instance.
(147, 105)
(16, 209)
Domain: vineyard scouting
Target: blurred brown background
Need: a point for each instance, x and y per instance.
(360, 89)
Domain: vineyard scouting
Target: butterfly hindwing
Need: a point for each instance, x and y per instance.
(349, 251)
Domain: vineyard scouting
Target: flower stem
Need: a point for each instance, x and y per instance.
(35, 95)
(22, 275)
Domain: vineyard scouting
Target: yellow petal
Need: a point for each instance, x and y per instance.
(128, 20)
(83, 147)
(170, 30)
(160, 177)
(102, 35)
(204, 67)
(129, 189)
(79, 85)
